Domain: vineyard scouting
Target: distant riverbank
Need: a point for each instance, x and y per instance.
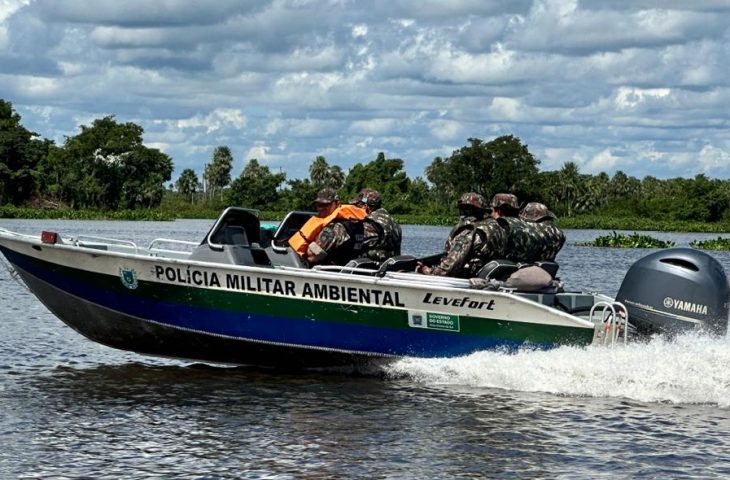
(590, 222)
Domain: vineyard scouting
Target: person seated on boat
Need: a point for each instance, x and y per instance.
(382, 233)
(333, 237)
(531, 237)
(474, 241)
(524, 244)
(552, 237)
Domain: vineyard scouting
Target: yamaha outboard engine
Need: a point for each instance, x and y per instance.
(676, 290)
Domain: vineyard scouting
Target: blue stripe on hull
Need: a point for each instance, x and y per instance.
(400, 341)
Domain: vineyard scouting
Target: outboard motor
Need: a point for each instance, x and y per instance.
(676, 290)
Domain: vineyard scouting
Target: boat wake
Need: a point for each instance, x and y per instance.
(690, 369)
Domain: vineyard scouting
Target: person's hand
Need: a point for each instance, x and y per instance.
(423, 268)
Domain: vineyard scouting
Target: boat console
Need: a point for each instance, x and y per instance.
(237, 238)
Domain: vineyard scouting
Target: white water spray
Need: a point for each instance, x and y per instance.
(689, 369)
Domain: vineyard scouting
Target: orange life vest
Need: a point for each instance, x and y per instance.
(309, 231)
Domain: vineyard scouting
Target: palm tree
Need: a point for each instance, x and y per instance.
(594, 194)
(187, 183)
(623, 186)
(319, 170)
(570, 186)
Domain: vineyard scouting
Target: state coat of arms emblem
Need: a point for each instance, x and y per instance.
(129, 277)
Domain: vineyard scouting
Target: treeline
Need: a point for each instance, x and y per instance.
(107, 167)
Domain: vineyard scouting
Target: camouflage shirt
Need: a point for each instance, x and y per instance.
(529, 242)
(471, 244)
(552, 238)
(338, 243)
(382, 236)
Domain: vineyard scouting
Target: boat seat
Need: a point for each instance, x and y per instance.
(266, 234)
(284, 256)
(502, 269)
(290, 225)
(399, 263)
(235, 226)
(498, 269)
(233, 235)
(234, 240)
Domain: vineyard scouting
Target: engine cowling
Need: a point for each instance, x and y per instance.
(676, 290)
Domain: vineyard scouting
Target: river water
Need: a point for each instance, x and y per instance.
(73, 409)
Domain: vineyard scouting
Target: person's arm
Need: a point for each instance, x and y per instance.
(331, 236)
(455, 257)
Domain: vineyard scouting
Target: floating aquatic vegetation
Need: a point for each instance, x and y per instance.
(713, 244)
(620, 240)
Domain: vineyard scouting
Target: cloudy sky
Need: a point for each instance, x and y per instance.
(641, 86)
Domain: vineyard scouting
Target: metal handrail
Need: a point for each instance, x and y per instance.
(77, 241)
(344, 269)
(172, 241)
(614, 321)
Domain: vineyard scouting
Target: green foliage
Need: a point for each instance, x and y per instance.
(298, 196)
(715, 244)
(385, 175)
(257, 187)
(177, 205)
(568, 187)
(321, 174)
(616, 240)
(301, 192)
(604, 222)
(106, 166)
(187, 184)
(501, 165)
(675, 200)
(20, 154)
(217, 174)
(9, 211)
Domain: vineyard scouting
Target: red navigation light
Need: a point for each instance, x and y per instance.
(49, 237)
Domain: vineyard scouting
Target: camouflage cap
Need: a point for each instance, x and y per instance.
(505, 199)
(535, 212)
(369, 197)
(326, 195)
(472, 199)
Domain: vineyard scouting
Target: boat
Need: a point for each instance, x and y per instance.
(241, 296)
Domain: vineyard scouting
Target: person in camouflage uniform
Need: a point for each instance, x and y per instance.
(472, 243)
(524, 241)
(339, 241)
(552, 238)
(382, 233)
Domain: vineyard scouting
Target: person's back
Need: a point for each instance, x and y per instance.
(531, 237)
(490, 243)
(551, 238)
(524, 244)
(383, 236)
(382, 233)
